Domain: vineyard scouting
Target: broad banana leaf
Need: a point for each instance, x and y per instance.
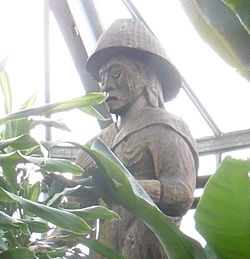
(223, 30)
(242, 9)
(223, 213)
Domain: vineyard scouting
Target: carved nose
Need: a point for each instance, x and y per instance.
(106, 86)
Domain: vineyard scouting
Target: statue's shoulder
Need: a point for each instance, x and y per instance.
(152, 117)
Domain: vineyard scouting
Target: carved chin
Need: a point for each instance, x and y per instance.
(116, 107)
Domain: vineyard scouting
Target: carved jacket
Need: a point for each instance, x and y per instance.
(157, 145)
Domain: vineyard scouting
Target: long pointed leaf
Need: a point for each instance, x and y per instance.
(10, 174)
(19, 143)
(36, 225)
(89, 99)
(55, 165)
(93, 112)
(4, 83)
(49, 123)
(29, 102)
(5, 220)
(34, 192)
(60, 218)
(95, 212)
(101, 249)
(66, 191)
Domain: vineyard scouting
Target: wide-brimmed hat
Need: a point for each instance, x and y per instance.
(132, 38)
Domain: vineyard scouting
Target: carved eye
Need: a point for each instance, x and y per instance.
(115, 72)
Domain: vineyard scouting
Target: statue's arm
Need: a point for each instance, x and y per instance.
(175, 169)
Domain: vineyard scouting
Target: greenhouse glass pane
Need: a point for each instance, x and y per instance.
(183, 107)
(21, 27)
(207, 165)
(65, 84)
(111, 10)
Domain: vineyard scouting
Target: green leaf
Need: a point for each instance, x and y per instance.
(11, 158)
(57, 252)
(60, 218)
(66, 191)
(222, 215)
(133, 197)
(5, 86)
(55, 165)
(19, 143)
(3, 245)
(10, 174)
(49, 123)
(8, 223)
(101, 249)
(210, 253)
(95, 212)
(18, 253)
(222, 30)
(36, 225)
(93, 112)
(6, 220)
(89, 99)
(34, 192)
(18, 127)
(29, 102)
(242, 9)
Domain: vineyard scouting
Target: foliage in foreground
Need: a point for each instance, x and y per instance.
(222, 216)
(29, 208)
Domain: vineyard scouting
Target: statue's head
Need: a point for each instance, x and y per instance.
(123, 49)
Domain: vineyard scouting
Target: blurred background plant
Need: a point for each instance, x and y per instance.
(225, 26)
(30, 204)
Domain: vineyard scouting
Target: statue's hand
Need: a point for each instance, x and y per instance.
(153, 188)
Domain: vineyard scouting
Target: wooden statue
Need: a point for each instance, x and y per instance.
(154, 145)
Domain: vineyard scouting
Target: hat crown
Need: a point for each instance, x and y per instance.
(130, 34)
(131, 37)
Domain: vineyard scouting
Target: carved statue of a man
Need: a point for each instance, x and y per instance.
(154, 145)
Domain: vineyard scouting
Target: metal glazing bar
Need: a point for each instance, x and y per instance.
(46, 61)
(208, 145)
(135, 13)
(224, 143)
(72, 37)
(200, 108)
(93, 18)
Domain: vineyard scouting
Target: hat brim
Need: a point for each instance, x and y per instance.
(168, 74)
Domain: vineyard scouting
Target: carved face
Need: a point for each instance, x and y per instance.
(122, 80)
